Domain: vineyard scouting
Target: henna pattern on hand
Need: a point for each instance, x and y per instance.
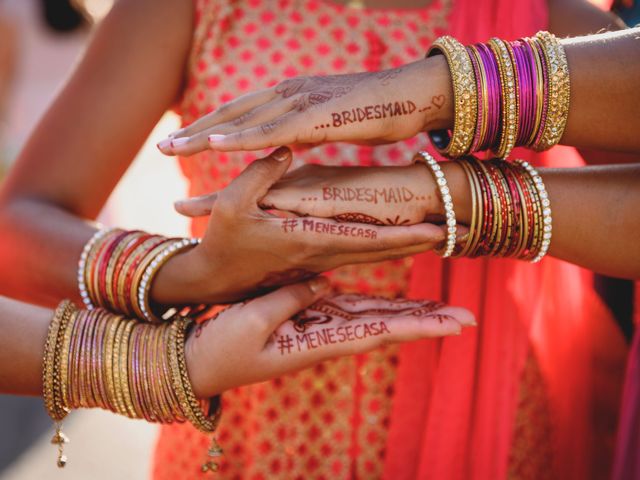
(330, 336)
(290, 87)
(388, 195)
(354, 217)
(388, 75)
(290, 225)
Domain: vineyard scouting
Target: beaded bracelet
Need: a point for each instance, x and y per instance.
(447, 201)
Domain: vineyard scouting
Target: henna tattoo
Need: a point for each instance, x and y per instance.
(311, 99)
(270, 127)
(373, 112)
(388, 75)
(330, 336)
(370, 195)
(325, 310)
(438, 101)
(285, 277)
(290, 225)
(354, 217)
(290, 87)
(441, 317)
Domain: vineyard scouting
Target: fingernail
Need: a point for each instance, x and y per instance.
(178, 142)
(216, 138)
(164, 144)
(281, 154)
(178, 203)
(318, 284)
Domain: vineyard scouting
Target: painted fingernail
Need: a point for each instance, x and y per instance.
(164, 144)
(216, 138)
(318, 284)
(178, 142)
(281, 154)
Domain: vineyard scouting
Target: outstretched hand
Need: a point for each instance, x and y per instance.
(247, 250)
(370, 107)
(256, 341)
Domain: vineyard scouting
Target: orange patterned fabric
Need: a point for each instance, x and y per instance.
(330, 421)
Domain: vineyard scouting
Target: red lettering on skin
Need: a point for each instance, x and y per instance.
(301, 340)
(341, 334)
(326, 193)
(383, 328)
(349, 331)
(337, 120)
(307, 224)
(355, 332)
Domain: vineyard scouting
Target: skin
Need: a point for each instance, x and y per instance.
(84, 144)
(602, 112)
(241, 345)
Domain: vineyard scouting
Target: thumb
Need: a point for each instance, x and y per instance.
(197, 206)
(275, 308)
(254, 182)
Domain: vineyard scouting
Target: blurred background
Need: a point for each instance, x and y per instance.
(40, 41)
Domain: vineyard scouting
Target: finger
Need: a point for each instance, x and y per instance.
(254, 182)
(273, 309)
(268, 112)
(197, 206)
(323, 342)
(323, 236)
(384, 255)
(288, 129)
(226, 112)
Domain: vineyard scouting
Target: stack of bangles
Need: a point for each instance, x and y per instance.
(506, 94)
(98, 359)
(117, 267)
(511, 211)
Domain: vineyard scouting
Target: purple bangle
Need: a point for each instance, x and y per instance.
(545, 90)
(494, 114)
(477, 140)
(525, 92)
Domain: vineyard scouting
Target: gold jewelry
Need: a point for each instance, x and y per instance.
(464, 93)
(559, 94)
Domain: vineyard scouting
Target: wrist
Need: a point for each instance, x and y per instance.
(181, 280)
(460, 191)
(437, 93)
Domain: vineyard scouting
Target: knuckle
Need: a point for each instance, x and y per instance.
(225, 207)
(255, 321)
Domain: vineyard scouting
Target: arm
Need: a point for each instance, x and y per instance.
(131, 73)
(85, 142)
(595, 209)
(240, 346)
(570, 18)
(604, 96)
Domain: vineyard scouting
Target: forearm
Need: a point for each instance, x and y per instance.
(40, 246)
(24, 330)
(595, 220)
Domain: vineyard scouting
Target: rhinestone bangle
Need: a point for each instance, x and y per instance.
(150, 272)
(443, 188)
(546, 209)
(82, 263)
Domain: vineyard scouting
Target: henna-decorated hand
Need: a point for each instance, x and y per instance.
(372, 107)
(247, 250)
(254, 342)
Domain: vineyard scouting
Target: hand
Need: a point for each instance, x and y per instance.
(247, 250)
(254, 342)
(371, 107)
(374, 195)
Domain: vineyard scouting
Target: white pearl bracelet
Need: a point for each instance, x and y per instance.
(443, 188)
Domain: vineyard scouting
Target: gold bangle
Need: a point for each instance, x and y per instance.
(559, 91)
(473, 227)
(191, 407)
(465, 97)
